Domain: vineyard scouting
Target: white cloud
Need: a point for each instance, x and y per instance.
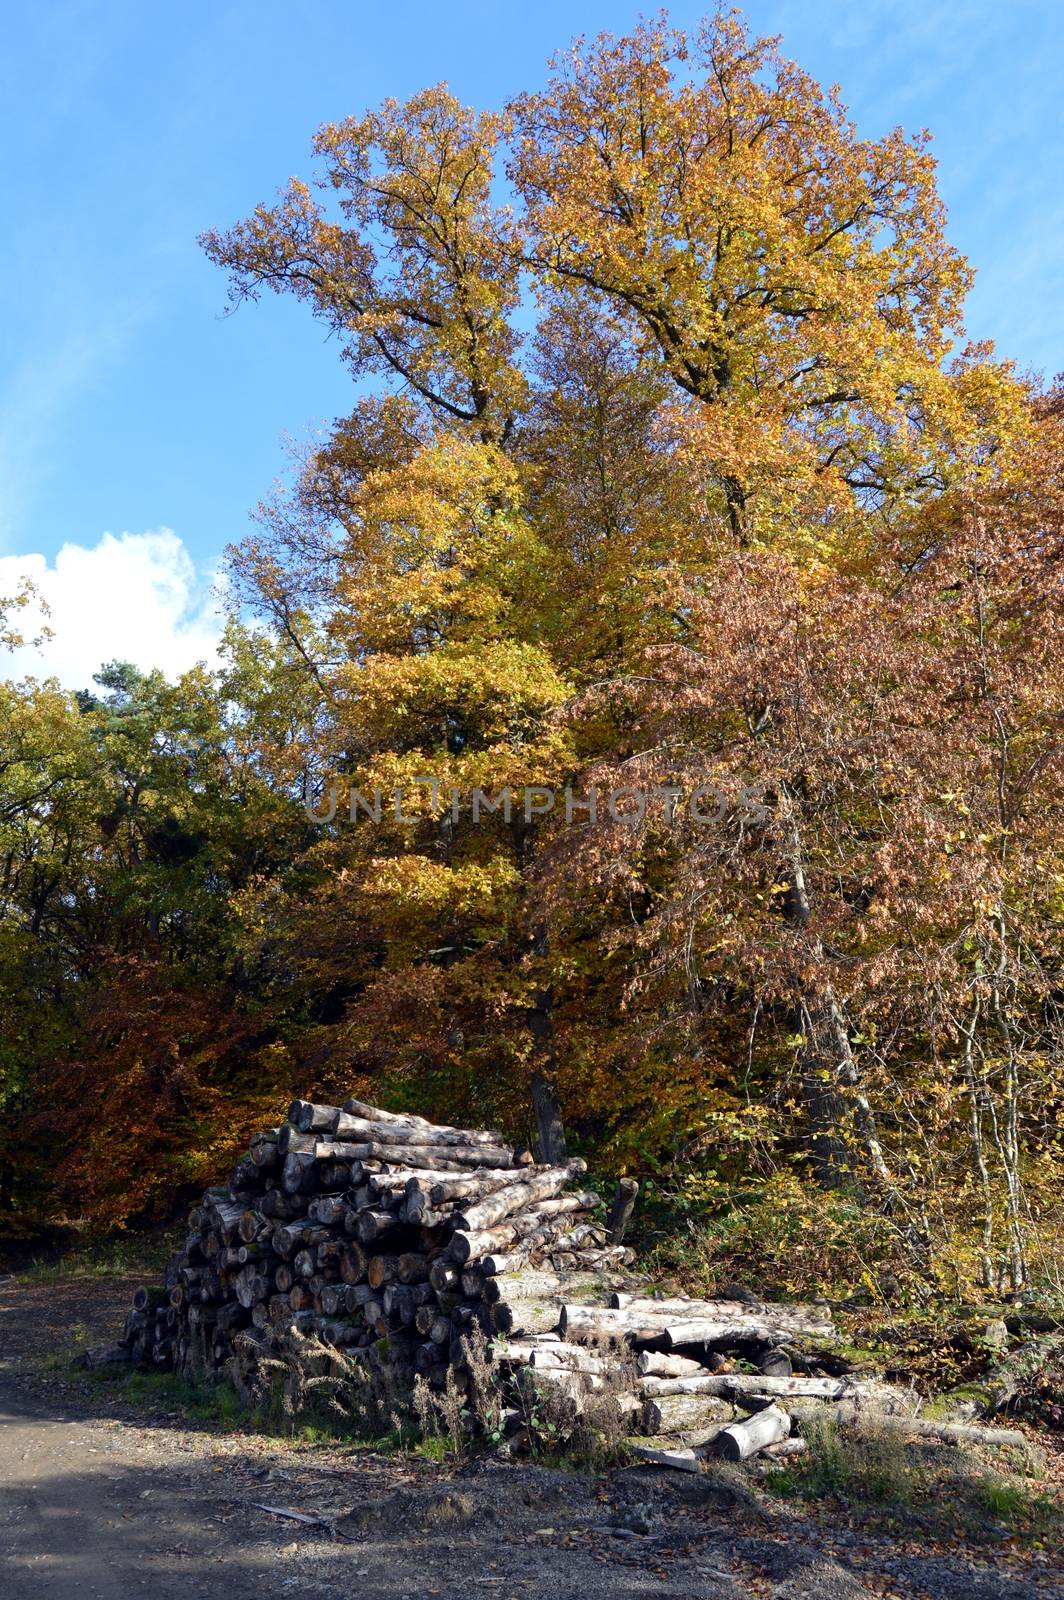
(138, 597)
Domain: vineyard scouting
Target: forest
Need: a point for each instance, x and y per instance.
(672, 503)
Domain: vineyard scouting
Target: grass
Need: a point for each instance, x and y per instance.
(875, 1468)
(212, 1403)
(882, 1476)
(1002, 1499)
(119, 1256)
(435, 1447)
(216, 1404)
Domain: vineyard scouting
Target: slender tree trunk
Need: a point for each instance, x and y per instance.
(830, 1076)
(982, 1171)
(1006, 1128)
(620, 1214)
(550, 1130)
(823, 1103)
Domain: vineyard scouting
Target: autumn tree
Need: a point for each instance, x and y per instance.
(794, 283)
(737, 397)
(668, 474)
(793, 279)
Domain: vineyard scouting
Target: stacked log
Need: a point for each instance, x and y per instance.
(394, 1238)
(681, 1369)
(377, 1232)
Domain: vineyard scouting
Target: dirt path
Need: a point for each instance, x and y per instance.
(102, 1498)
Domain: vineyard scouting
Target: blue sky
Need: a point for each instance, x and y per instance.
(129, 404)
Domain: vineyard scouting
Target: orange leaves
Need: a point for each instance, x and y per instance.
(155, 1097)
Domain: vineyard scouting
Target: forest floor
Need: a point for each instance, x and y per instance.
(112, 1488)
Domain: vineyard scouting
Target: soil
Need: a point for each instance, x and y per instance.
(104, 1497)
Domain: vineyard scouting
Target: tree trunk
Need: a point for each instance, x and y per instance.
(550, 1130)
(830, 1077)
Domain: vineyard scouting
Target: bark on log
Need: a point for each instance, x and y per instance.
(620, 1214)
(811, 1321)
(677, 1460)
(677, 1413)
(225, 1216)
(573, 1358)
(492, 1265)
(592, 1322)
(300, 1172)
(523, 1316)
(376, 1225)
(362, 1130)
(106, 1355)
(696, 1332)
(148, 1298)
(291, 1141)
(794, 1446)
(849, 1414)
(309, 1117)
(740, 1385)
(534, 1283)
(608, 1260)
(641, 1323)
(430, 1157)
(358, 1108)
(741, 1440)
(471, 1185)
(517, 1197)
(657, 1364)
(538, 1222)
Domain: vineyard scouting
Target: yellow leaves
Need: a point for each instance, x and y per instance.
(453, 699)
(431, 307)
(416, 884)
(791, 278)
(27, 597)
(437, 547)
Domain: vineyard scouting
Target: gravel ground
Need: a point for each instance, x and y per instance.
(107, 1499)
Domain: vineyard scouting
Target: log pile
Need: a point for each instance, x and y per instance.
(719, 1377)
(395, 1239)
(671, 1363)
(374, 1231)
